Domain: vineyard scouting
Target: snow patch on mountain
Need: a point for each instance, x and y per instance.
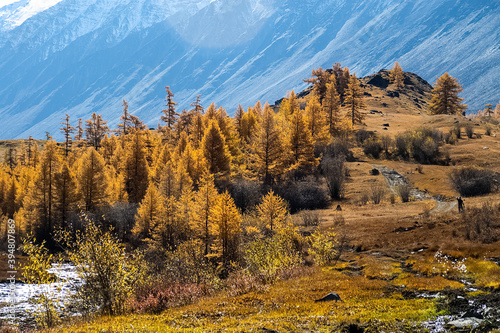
(22, 10)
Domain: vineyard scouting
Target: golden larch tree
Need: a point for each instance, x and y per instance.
(215, 150)
(316, 121)
(225, 223)
(204, 200)
(445, 98)
(354, 101)
(331, 106)
(149, 212)
(91, 180)
(272, 212)
(136, 170)
(266, 150)
(396, 75)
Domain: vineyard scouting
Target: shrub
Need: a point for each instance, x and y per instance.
(482, 223)
(334, 171)
(363, 135)
(488, 130)
(268, 257)
(324, 246)
(386, 143)
(458, 131)
(469, 130)
(309, 218)
(404, 192)
(373, 147)
(377, 193)
(450, 138)
(187, 264)
(363, 199)
(246, 193)
(422, 145)
(158, 296)
(470, 181)
(109, 275)
(339, 148)
(305, 194)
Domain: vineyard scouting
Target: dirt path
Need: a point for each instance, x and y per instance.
(395, 179)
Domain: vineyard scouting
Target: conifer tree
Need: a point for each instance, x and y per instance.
(266, 150)
(91, 180)
(497, 110)
(95, 130)
(125, 121)
(64, 192)
(79, 131)
(488, 110)
(238, 120)
(331, 106)
(445, 98)
(116, 191)
(341, 80)
(67, 130)
(198, 129)
(354, 100)
(184, 123)
(316, 121)
(319, 80)
(10, 204)
(248, 125)
(204, 200)
(272, 212)
(215, 150)
(149, 212)
(288, 106)
(159, 165)
(397, 76)
(136, 171)
(225, 222)
(167, 233)
(300, 144)
(39, 211)
(170, 116)
(197, 107)
(10, 158)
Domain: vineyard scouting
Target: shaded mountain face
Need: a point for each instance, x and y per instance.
(84, 56)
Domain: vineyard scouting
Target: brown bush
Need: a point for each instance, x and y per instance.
(377, 193)
(470, 181)
(482, 224)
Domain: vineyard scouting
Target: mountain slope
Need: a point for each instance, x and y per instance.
(79, 57)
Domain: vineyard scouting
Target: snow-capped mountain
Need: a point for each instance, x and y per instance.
(84, 56)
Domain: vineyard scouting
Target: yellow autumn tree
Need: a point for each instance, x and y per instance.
(316, 121)
(272, 212)
(65, 195)
(91, 180)
(354, 100)
(331, 106)
(215, 150)
(225, 223)
(300, 145)
(204, 200)
(149, 212)
(136, 170)
(266, 158)
(396, 75)
(445, 98)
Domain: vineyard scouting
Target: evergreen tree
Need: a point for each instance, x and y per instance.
(445, 98)
(10, 158)
(167, 232)
(225, 222)
(272, 212)
(215, 150)
(354, 100)
(397, 76)
(488, 110)
(67, 130)
(91, 180)
(266, 150)
(197, 107)
(341, 80)
(238, 120)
